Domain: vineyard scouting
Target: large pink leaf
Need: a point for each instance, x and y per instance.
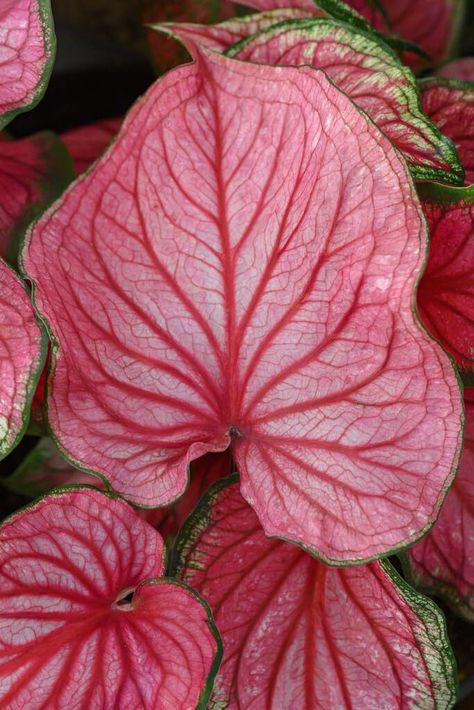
(462, 69)
(371, 75)
(450, 106)
(443, 562)
(239, 269)
(27, 47)
(21, 356)
(446, 291)
(68, 632)
(297, 634)
(87, 143)
(33, 171)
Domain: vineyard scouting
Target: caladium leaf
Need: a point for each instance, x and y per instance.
(21, 358)
(68, 632)
(27, 48)
(87, 143)
(443, 562)
(462, 69)
(298, 634)
(33, 172)
(371, 74)
(446, 291)
(251, 284)
(450, 105)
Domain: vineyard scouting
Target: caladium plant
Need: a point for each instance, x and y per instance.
(247, 279)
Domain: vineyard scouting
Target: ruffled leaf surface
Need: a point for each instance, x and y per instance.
(446, 291)
(298, 634)
(21, 357)
(33, 172)
(215, 286)
(461, 69)
(27, 47)
(450, 105)
(87, 143)
(371, 74)
(69, 634)
(443, 562)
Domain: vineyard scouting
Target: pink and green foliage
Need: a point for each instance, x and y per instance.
(87, 143)
(21, 358)
(431, 24)
(27, 47)
(70, 633)
(450, 105)
(298, 634)
(443, 562)
(259, 297)
(33, 171)
(461, 69)
(446, 291)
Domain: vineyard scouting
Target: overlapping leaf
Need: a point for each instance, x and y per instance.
(87, 143)
(446, 291)
(443, 562)
(297, 634)
(27, 48)
(68, 631)
(461, 69)
(21, 355)
(33, 172)
(217, 286)
(450, 105)
(371, 74)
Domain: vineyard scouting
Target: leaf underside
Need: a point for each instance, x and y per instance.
(68, 630)
(251, 288)
(461, 69)
(297, 634)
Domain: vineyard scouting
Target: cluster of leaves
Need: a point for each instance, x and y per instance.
(262, 289)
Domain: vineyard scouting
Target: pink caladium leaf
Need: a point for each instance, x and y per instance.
(27, 49)
(446, 291)
(87, 143)
(450, 105)
(443, 562)
(371, 74)
(298, 634)
(68, 565)
(461, 69)
(242, 273)
(21, 357)
(33, 172)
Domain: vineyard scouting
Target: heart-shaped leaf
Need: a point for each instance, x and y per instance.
(371, 74)
(27, 49)
(21, 358)
(450, 105)
(446, 291)
(443, 562)
(87, 143)
(33, 172)
(239, 268)
(297, 634)
(70, 633)
(461, 69)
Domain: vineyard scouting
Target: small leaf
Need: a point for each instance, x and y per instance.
(87, 143)
(371, 74)
(297, 634)
(450, 105)
(68, 632)
(21, 358)
(443, 562)
(239, 269)
(461, 69)
(33, 172)
(446, 291)
(27, 49)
